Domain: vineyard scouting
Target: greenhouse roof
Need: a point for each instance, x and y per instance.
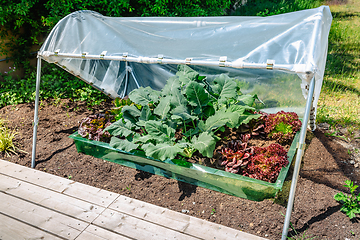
(294, 42)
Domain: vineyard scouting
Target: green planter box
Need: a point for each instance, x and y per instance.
(202, 176)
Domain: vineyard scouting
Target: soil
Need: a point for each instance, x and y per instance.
(328, 161)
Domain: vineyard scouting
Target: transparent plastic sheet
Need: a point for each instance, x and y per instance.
(202, 176)
(297, 40)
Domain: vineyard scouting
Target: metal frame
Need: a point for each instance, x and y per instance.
(222, 62)
(270, 65)
(299, 155)
(36, 118)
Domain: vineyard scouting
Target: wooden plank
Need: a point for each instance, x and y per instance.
(52, 200)
(36, 177)
(91, 194)
(151, 213)
(209, 230)
(136, 228)
(176, 221)
(78, 190)
(96, 233)
(11, 229)
(42, 218)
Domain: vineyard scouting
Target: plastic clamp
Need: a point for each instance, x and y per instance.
(160, 58)
(83, 54)
(125, 55)
(102, 55)
(56, 52)
(300, 146)
(188, 61)
(222, 61)
(270, 64)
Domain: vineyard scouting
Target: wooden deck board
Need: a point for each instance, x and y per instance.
(97, 233)
(33, 176)
(38, 205)
(40, 217)
(50, 199)
(135, 228)
(14, 230)
(175, 220)
(62, 185)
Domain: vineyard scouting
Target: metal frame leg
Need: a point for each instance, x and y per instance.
(36, 118)
(136, 82)
(126, 79)
(128, 70)
(300, 152)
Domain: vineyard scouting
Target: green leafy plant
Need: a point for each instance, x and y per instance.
(119, 103)
(336, 134)
(350, 204)
(7, 139)
(282, 126)
(129, 188)
(183, 117)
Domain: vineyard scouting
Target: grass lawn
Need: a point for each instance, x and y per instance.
(339, 101)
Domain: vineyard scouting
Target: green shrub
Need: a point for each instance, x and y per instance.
(268, 8)
(55, 83)
(26, 22)
(6, 138)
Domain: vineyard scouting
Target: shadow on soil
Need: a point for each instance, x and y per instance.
(318, 218)
(68, 131)
(141, 175)
(186, 189)
(54, 153)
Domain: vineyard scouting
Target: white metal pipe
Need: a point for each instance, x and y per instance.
(299, 154)
(36, 118)
(300, 68)
(126, 79)
(313, 45)
(135, 80)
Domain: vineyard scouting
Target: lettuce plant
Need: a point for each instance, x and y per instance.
(255, 127)
(92, 127)
(188, 106)
(236, 155)
(266, 163)
(263, 163)
(282, 126)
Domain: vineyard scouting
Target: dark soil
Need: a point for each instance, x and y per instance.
(326, 165)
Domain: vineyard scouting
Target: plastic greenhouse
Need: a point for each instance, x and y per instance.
(280, 58)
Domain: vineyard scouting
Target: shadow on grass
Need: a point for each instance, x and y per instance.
(334, 86)
(342, 58)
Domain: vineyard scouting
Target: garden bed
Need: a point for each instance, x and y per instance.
(196, 174)
(193, 129)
